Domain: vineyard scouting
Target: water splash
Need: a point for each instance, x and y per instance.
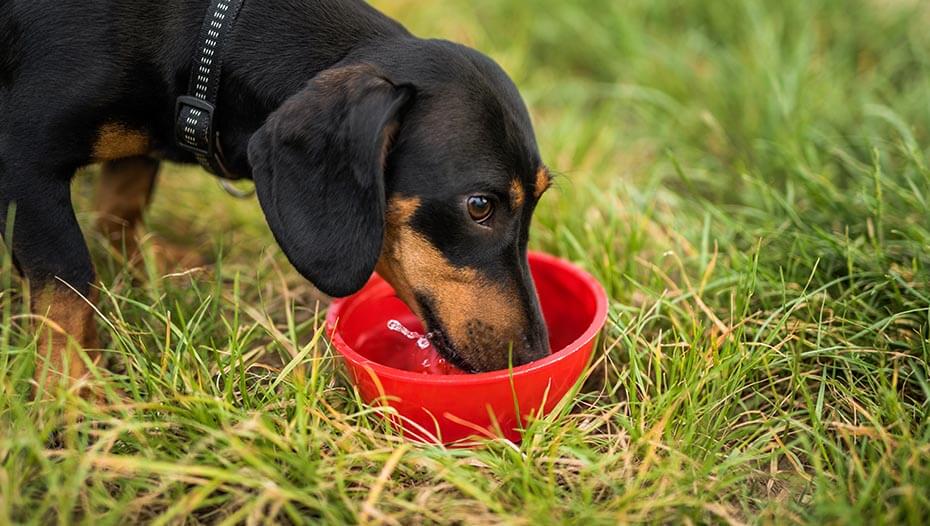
(422, 339)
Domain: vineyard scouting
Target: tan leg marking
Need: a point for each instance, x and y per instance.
(65, 323)
(123, 191)
(117, 141)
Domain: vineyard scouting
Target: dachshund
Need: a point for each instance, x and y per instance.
(370, 150)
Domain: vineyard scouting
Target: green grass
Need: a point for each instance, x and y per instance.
(748, 178)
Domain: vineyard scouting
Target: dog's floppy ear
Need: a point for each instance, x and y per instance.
(318, 165)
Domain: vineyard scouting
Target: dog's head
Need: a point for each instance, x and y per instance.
(421, 164)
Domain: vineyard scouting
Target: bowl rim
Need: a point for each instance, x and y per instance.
(384, 371)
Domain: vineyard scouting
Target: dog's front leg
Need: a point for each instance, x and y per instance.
(124, 190)
(51, 253)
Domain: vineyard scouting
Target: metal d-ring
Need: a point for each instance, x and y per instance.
(232, 190)
(225, 179)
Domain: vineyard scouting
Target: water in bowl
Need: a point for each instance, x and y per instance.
(385, 331)
(397, 342)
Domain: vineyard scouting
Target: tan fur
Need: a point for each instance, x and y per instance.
(116, 141)
(459, 294)
(65, 324)
(123, 191)
(398, 215)
(543, 181)
(517, 195)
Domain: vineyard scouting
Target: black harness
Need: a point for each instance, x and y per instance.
(195, 112)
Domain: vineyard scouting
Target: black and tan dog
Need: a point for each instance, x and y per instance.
(370, 150)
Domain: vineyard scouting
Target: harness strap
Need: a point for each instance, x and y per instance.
(194, 129)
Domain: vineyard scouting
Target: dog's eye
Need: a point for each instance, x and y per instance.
(480, 208)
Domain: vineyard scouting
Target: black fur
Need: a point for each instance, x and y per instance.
(327, 104)
(334, 235)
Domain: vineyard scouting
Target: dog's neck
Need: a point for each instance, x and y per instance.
(268, 59)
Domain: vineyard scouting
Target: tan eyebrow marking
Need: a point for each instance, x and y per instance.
(543, 182)
(517, 196)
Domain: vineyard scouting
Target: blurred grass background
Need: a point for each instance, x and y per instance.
(749, 180)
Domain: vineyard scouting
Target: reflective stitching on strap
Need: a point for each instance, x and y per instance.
(194, 125)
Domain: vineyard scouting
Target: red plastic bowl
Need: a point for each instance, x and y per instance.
(451, 408)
